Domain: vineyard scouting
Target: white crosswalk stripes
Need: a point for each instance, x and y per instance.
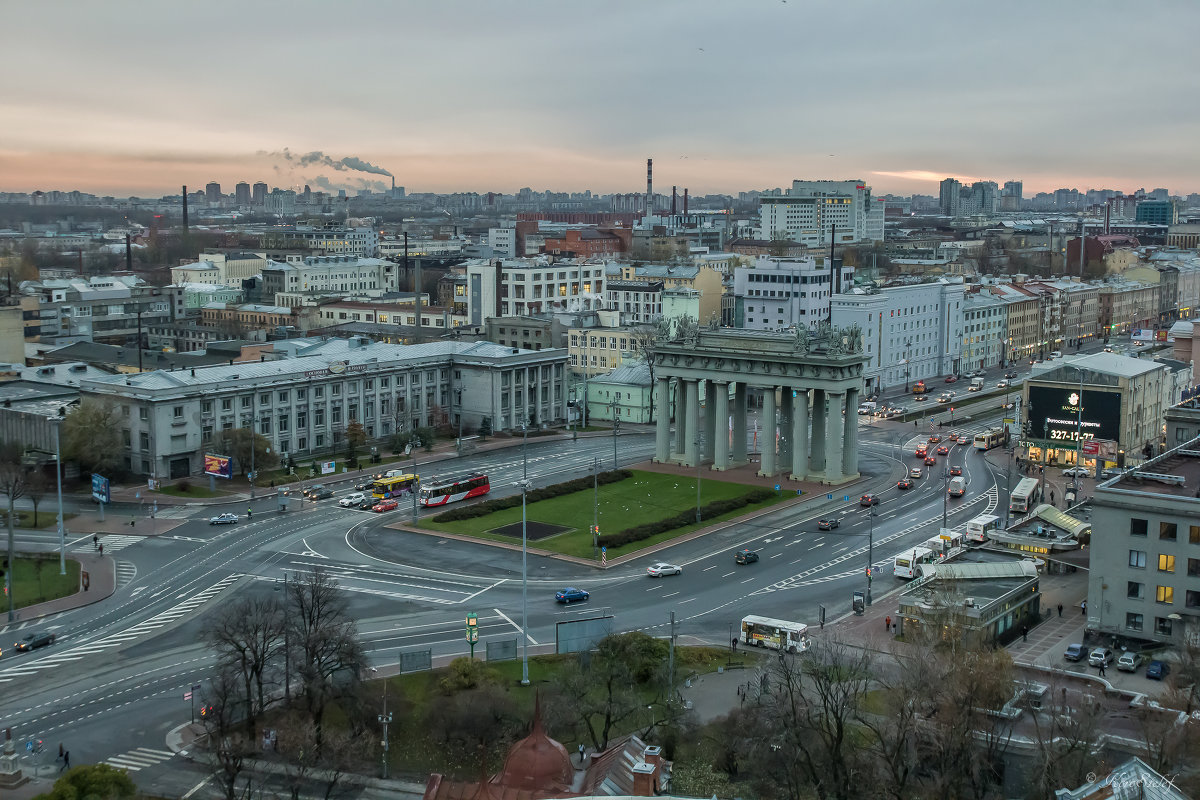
(139, 758)
(122, 637)
(126, 572)
(112, 543)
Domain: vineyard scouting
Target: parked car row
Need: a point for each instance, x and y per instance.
(1128, 661)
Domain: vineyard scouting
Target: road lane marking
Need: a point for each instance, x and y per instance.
(727, 574)
(515, 625)
(706, 569)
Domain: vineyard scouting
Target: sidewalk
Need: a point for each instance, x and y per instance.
(102, 574)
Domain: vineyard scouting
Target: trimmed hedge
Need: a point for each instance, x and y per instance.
(544, 493)
(639, 532)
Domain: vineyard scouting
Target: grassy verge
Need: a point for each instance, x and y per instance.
(46, 518)
(645, 497)
(36, 580)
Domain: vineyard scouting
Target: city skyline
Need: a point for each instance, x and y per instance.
(479, 97)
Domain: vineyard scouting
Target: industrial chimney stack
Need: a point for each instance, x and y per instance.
(685, 202)
(649, 187)
(185, 219)
(673, 211)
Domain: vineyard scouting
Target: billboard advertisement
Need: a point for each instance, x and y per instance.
(100, 489)
(328, 467)
(1055, 415)
(218, 466)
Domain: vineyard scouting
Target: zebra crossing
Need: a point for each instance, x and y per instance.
(113, 543)
(138, 758)
(119, 638)
(126, 572)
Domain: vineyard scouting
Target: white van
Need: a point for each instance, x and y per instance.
(1056, 354)
(958, 486)
(868, 408)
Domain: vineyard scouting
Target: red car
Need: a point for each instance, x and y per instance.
(943, 451)
(930, 460)
(956, 470)
(385, 505)
(951, 379)
(904, 484)
(921, 451)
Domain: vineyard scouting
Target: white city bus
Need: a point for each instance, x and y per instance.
(908, 564)
(982, 527)
(1025, 496)
(989, 439)
(777, 634)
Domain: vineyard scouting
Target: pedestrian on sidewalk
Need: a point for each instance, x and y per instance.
(1101, 669)
(1025, 634)
(95, 543)
(1083, 608)
(249, 512)
(1060, 609)
(887, 622)
(66, 761)
(1051, 497)
(102, 548)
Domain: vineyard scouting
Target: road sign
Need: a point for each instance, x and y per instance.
(187, 695)
(799, 492)
(777, 487)
(845, 498)
(829, 496)
(603, 556)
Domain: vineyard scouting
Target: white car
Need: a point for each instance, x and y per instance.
(915, 472)
(1076, 472)
(1002, 384)
(352, 499)
(223, 519)
(662, 568)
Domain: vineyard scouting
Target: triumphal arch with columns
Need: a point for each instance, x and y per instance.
(810, 379)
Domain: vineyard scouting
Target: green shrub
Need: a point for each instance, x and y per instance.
(714, 509)
(466, 673)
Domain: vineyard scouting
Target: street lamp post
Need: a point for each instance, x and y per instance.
(62, 536)
(524, 588)
(384, 719)
(870, 549)
(595, 507)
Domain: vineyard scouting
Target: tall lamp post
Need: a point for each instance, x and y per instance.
(870, 549)
(524, 588)
(62, 536)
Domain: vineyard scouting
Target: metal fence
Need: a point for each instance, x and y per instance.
(503, 650)
(416, 661)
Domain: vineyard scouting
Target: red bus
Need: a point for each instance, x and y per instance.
(442, 491)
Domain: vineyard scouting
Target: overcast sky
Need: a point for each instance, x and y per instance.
(140, 97)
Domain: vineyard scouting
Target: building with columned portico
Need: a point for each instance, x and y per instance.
(810, 383)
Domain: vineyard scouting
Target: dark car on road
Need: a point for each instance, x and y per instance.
(34, 641)
(904, 483)
(1010, 375)
(956, 470)
(570, 595)
(931, 460)
(869, 500)
(943, 451)
(745, 557)
(1157, 670)
(368, 503)
(828, 524)
(1076, 652)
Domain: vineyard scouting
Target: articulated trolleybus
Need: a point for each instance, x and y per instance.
(777, 634)
(1025, 496)
(993, 438)
(440, 492)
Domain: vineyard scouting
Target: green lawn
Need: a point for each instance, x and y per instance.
(645, 497)
(47, 517)
(36, 580)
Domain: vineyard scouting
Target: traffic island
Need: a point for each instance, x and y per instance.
(89, 579)
(639, 511)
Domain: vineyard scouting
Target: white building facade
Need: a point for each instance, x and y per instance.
(778, 293)
(984, 332)
(519, 286)
(910, 332)
(811, 210)
(349, 274)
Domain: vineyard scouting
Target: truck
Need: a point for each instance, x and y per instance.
(958, 486)
(868, 407)
(976, 385)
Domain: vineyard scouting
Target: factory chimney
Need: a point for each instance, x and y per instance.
(673, 211)
(649, 187)
(685, 202)
(185, 220)
(128, 254)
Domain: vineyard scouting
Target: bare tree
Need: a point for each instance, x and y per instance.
(231, 753)
(323, 763)
(37, 485)
(1067, 727)
(328, 656)
(642, 341)
(13, 483)
(248, 638)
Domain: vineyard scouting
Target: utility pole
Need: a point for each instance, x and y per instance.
(416, 489)
(595, 507)
(616, 426)
(524, 588)
(384, 719)
(62, 537)
(287, 647)
(252, 449)
(699, 459)
(870, 550)
(524, 452)
(671, 664)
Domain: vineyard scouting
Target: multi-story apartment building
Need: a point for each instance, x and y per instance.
(286, 284)
(910, 332)
(1022, 319)
(595, 351)
(984, 332)
(503, 242)
(639, 302)
(811, 210)
(527, 333)
(777, 293)
(1126, 306)
(1145, 551)
(516, 287)
(306, 396)
(1072, 311)
(342, 312)
(104, 309)
(332, 240)
(704, 280)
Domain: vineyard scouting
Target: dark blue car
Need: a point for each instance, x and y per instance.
(570, 595)
(1157, 670)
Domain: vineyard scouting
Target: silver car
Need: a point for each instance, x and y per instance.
(662, 568)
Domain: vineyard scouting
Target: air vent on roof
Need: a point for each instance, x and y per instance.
(79, 368)
(1174, 480)
(234, 377)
